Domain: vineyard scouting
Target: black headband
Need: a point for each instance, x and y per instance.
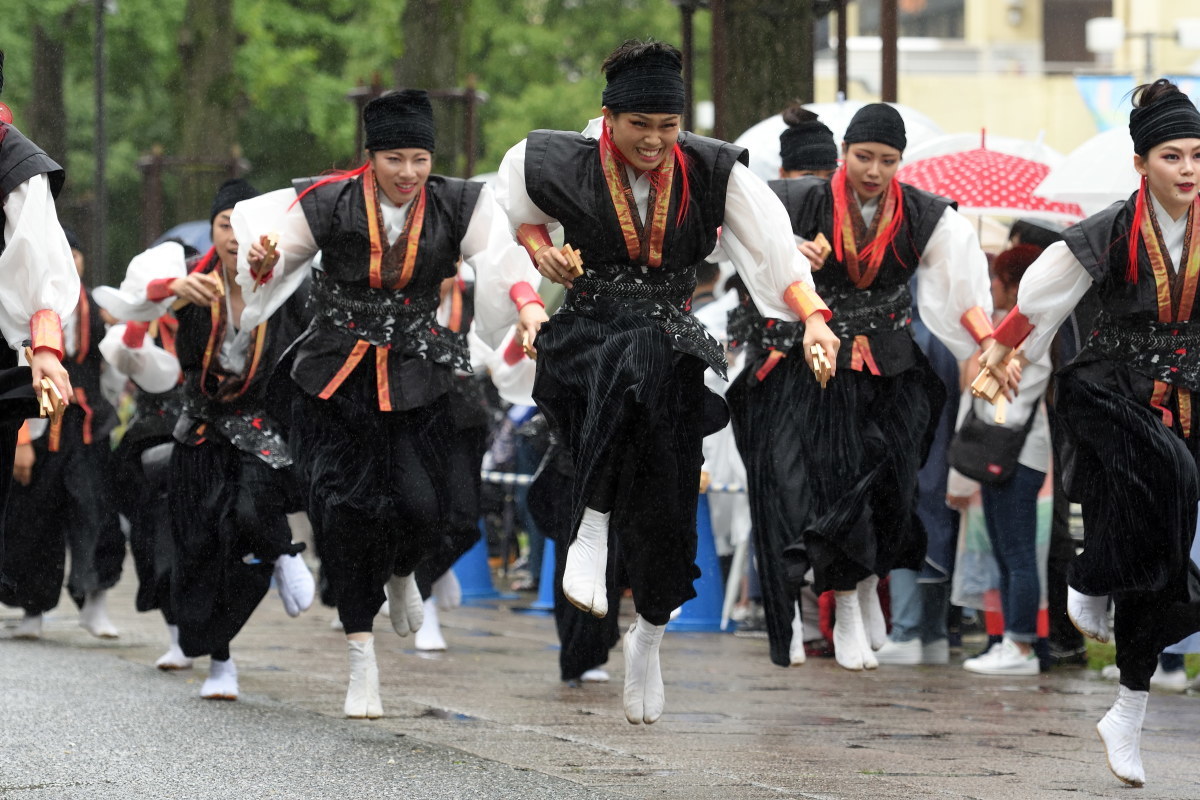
(877, 122)
(232, 192)
(1171, 116)
(807, 146)
(653, 84)
(400, 120)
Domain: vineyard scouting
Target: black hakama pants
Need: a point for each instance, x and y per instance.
(633, 410)
(67, 505)
(377, 489)
(143, 472)
(228, 514)
(1137, 483)
(832, 474)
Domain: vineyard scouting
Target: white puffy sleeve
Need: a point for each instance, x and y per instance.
(953, 278)
(499, 263)
(757, 238)
(1049, 291)
(148, 365)
(273, 212)
(38, 269)
(512, 195)
(142, 295)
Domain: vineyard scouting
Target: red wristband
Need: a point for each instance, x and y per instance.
(522, 294)
(533, 238)
(23, 435)
(1013, 329)
(159, 289)
(135, 334)
(977, 323)
(514, 352)
(45, 332)
(804, 301)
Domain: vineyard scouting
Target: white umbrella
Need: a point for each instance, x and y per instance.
(762, 139)
(1096, 174)
(1033, 150)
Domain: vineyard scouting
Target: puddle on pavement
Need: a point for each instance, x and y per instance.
(450, 716)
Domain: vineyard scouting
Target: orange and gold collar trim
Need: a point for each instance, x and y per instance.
(410, 238)
(644, 243)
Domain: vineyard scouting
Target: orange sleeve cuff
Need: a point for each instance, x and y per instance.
(977, 323)
(135, 334)
(533, 238)
(159, 289)
(23, 436)
(1013, 329)
(523, 294)
(45, 332)
(514, 352)
(804, 301)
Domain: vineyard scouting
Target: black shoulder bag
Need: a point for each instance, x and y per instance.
(985, 451)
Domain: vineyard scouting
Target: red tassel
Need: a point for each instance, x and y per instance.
(1135, 233)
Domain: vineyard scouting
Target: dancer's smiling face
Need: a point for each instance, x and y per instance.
(644, 139)
(401, 173)
(870, 166)
(1171, 170)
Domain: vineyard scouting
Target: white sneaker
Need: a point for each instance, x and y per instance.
(30, 627)
(1004, 659)
(429, 637)
(174, 658)
(1175, 680)
(1089, 614)
(362, 694)
(595, 676)
(93, 617)
(406, 608)
(447, 591)
(1121, 732)
(294, 582)
(222, 681)
(585, 576)
(904, 654)
(935, 652)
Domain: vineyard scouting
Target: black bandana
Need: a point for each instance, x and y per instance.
(1171, 116)
(807, 146)
(877, 122)
(653, 84)
(232, 192)
(400, 120)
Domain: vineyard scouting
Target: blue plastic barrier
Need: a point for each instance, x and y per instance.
(703, 612)
(474, 574)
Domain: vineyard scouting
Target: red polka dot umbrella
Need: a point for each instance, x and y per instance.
(986, 181)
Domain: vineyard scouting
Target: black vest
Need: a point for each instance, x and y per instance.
(1127, 329)
(347, 310)
(84, 370)
(881, 312)
(564, 178)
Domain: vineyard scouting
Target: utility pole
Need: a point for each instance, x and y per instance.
(888, 33)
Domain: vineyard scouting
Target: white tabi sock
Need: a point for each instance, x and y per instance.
(174, 657)
(796, 654)
(848, 634)
(872, 613)
(362, 694)
(644, 695)
(447, 591)
(1121, 732)
(429, 638)
(222, 681)
(30, 627)
(1089, 614)
(93, 617)
(584, 578)
(294, 582)
(405, 604)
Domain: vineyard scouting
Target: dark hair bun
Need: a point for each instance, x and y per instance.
(796, 114)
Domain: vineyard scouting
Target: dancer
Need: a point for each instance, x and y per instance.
(1125, 425)
(231, 481)
(67, 468)
(145, 351)
(374, 367)
(620, 371)
(40, 287)
(762, 411)
(851, 452)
